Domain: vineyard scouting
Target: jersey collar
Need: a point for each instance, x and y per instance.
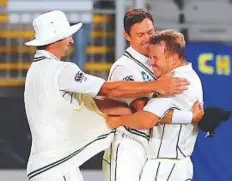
(44, 53)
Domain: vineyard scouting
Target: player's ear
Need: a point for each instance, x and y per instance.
(175, 58)
(127, 36)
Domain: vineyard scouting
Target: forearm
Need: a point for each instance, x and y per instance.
(177, 117)
(139, 120)
(127, 89)
(113, 107)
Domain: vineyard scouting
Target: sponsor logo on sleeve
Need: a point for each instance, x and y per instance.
(80, 76)
(128, 78)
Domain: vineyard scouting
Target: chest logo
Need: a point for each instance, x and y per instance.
(145, 76)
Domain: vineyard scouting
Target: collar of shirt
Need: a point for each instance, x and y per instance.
(40, 53)
(138, 56)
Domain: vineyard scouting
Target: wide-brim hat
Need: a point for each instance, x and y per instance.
(51, 27)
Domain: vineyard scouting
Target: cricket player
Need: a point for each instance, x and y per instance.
(170, 145)
(125, 158)
(67, 125)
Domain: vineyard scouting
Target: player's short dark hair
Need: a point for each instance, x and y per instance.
(134, 16)
(171, 43)
(42, 47)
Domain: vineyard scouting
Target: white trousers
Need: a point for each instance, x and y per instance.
(168, 170)
(124, 160)
(72, 175)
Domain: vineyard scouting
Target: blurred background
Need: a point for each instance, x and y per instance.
(206, 24)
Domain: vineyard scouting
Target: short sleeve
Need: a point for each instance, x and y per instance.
(72, 79)
(158, 106)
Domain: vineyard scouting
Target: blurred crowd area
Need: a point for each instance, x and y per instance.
(206, 24)
(95, 45)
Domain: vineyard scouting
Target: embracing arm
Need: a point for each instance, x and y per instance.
(72, 79)
(167, 85)
(152, 114)
(174, 116)
(177, 116)
(138, 120)
(112, 107)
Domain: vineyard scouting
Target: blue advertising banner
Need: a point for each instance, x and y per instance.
(212, 157)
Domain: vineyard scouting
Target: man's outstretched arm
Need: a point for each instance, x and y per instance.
(147, 119)
(72, 79)
(167, 85)
(174, 116)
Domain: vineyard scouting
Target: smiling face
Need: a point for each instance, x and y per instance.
(166, 53)
(140, 34)
(160, 60)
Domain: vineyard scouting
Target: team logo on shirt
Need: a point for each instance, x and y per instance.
(80, 76)
(145, 76)
(128, 78)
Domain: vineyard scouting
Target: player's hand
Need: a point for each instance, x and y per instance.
(169, 85)
(139, 103)
(113, 122)
(167, 119)
(198, 112)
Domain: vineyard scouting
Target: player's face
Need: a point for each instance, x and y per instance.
(159, 60)
(140, 35)
(64, 45)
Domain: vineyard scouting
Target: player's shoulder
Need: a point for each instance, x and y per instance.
(189, 73)
(185, 71)
(67, 64)
(123, 60)
(123, 63)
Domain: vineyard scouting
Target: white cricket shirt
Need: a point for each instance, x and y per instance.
(132, 66)
(67, 127)
(175, 140)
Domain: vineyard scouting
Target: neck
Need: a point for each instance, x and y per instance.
(54, 52)
(179, 64)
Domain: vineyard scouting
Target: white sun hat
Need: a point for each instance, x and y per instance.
(51, 27)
